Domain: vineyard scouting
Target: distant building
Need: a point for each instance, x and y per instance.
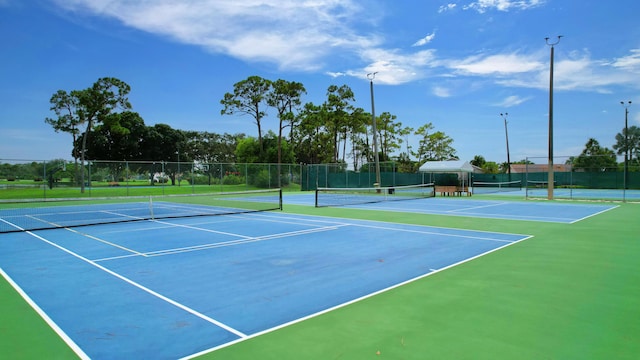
(533, 168)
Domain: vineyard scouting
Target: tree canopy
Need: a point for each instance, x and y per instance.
(88, 108)
(596, 158)
(103, 126)
(248, 97)
(633, 141)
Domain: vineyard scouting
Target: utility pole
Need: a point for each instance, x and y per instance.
(550, 177)
(372, 76)
(506, 133)
(626, 145)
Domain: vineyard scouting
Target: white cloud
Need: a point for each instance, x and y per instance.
(292, 34)
(447, 7)
(335, 74)
(482, 6)
(579, 71)
(425, 40)
(630, 62)
(394, 67)
(496, 64)
(308, 35)
(440, 91)
(512, 100)
(573, 71)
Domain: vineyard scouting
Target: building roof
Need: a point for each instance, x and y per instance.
(531, 168)
(447, 166)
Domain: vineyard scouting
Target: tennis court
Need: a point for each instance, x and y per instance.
(163, 279)
(471, 207)
(172, 288)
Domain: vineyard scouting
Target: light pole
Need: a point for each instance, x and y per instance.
(506, 133)
(626, 142)
(178, 174)
(550, 177)
(372, 76)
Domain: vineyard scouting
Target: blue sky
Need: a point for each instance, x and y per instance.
(455, 64)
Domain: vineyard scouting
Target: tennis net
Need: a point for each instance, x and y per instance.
(354, 196)
(480, 187)
(15, 217)
(538, 184)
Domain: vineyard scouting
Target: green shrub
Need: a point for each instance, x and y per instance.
(202, 180)
(233, 180)
(261, 179)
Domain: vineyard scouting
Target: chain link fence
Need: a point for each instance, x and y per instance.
(338, 176)
(590, 178)
(36, 179)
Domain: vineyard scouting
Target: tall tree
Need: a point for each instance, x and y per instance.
(247, 99)
(248, 152)
(491, 167)
(360, 150)
(285, 96)
(633, 138)
(64, 106)
(423, 132)
(89, 107)
(391, 134)
(338, 110)
(205, 147)
(165, 143)
(311, 140)
(478, 161)
(119, 137)
(435, 146)
(596, 158)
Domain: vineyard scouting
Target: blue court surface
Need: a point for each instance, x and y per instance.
(585, 194)
(177, 288)
(557, 212)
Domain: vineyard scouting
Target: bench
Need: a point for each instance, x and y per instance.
(446, 190)
(452, 190)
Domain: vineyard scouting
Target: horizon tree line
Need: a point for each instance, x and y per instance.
(103, 126)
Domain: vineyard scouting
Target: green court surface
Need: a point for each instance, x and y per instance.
(572, 291)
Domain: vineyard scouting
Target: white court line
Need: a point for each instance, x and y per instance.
(42, 220)
(357, 222)
(11, 224)
(143, 288)
(296, 220)
(244, 240)
(52, 324)
(122, 215)
(479, 207)
(598, 213)
(169, 225)
(435, 211)
(304, 318)
(497, 216)
(135, 253)
(437, 233)
(239, 242)
(201, 229)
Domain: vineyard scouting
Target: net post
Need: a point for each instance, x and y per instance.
(151, 207)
